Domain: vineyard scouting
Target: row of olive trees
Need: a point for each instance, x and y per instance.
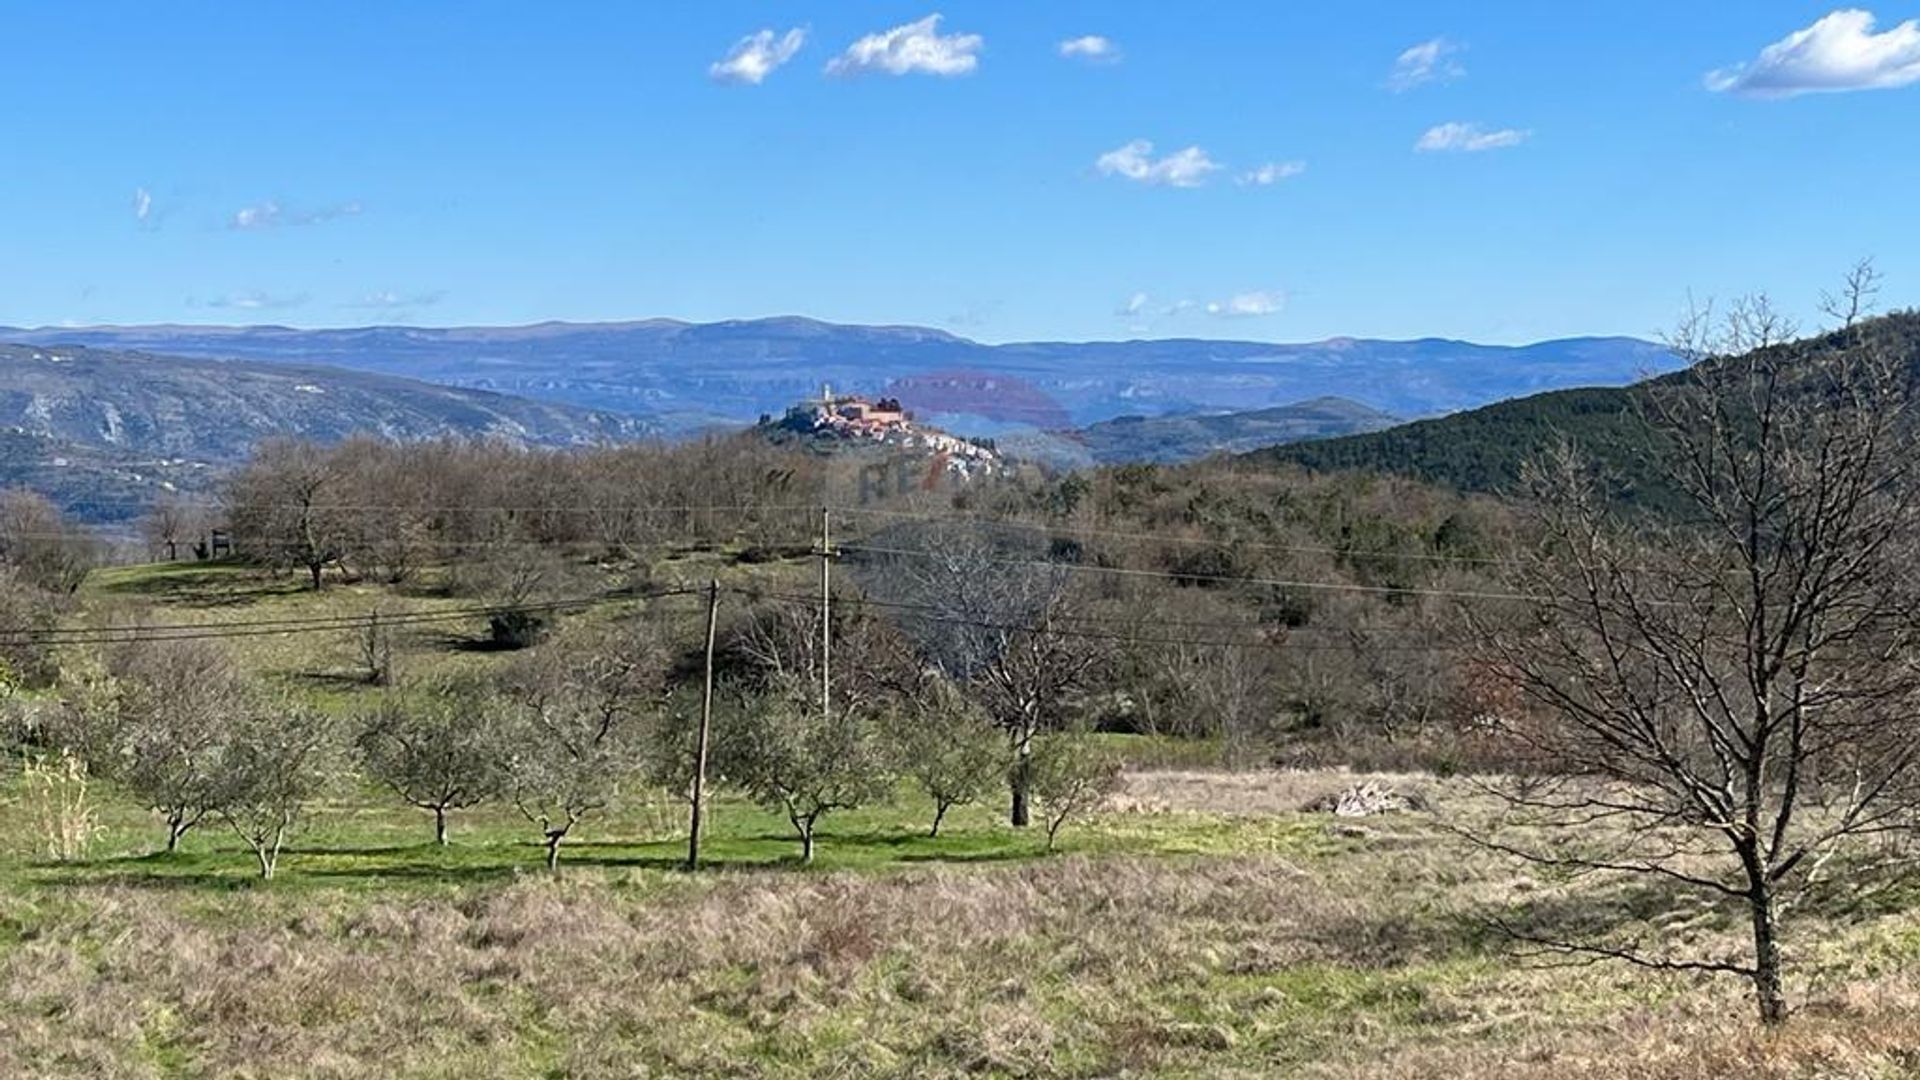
(590, 715)
(561, 734)
(182, 731)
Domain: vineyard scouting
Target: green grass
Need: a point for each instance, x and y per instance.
(364, 839)
(1221, 934)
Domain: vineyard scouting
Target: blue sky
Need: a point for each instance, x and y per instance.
(1587, 165)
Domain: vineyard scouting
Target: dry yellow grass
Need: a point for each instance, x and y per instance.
(1364, 955)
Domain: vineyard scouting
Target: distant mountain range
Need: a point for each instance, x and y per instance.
(101, 431)
(684, 375)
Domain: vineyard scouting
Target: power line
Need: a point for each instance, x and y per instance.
(1085, 530)
(91, 635)
(1094, 635)
(1224, 579)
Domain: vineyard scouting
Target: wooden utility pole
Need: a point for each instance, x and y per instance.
(706, 730)
(826, 615)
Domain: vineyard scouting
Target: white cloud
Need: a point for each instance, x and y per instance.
(257, 301)
(915, 47)
(388, 300)
(1838, 52)
(1248, 305)
(270, 214)
(1430, 61)
(1092, 48)
(258, 216)
(1272, 173)
(142, 204)
(1135, 161)
(1134, 305)
(754, 57)
(1469, 138)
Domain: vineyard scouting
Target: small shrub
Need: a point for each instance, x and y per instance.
(1071, 775)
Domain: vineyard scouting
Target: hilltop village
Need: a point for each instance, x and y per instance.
(832, 418)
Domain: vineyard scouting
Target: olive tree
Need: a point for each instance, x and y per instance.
(795, 759)
(280, 757)
(1072, 776)
(948, 746)
(158, 717)
(581, 705)
(440, 746)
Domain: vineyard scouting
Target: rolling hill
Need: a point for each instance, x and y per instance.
(686, 374)
(1168, 439)
(100, 431)
(1483, 450)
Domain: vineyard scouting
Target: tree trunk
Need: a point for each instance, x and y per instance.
(315, 569)
(1766, 958)
(554, 836)
(939, 812)
(269, 855)
(177, 826)
(440, 825)
(806, 840)
(1022, 775)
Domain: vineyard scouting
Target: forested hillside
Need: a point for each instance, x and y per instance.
(1483, 450)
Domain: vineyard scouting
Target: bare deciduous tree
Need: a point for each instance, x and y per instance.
(289, 507)
(991, 613)
(170, 522)
(1727, 702)
(40, 545)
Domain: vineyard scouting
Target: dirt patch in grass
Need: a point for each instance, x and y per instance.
(1264, 792)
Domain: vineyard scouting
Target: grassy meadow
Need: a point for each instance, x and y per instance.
(1200, 924)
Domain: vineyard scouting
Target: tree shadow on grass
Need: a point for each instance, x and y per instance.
(1654, 917)
(212, 585)
(768, 852)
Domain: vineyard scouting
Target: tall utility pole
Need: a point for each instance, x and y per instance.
(826, 619)
(706, 730)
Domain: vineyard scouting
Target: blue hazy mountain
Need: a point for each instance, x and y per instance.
(687, 374)
(102, 431)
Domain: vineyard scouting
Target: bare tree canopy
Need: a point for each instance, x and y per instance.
(1726, 702)
(988, 609)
